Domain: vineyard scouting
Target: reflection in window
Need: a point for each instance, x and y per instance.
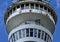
(27, 32)
(19, 33)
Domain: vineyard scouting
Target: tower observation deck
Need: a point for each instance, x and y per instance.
(30, 21)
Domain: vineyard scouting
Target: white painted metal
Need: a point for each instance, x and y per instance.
(18, 11)
(30, 26)
(17, 18)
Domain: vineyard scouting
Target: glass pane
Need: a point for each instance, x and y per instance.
(30, 41)
(41, 7)
(23, 32)
(27, 6)
(27, 32)
(14, 9)
(45, 8)
(39, 0)
(19, 33)
(35, 33)
(22, 6)
(31, 32)
(32, 6)
(37, 21)
(45, 37)
(42, 34)
(13, 37)
(18, 6)
(39, 32)
(37, 6)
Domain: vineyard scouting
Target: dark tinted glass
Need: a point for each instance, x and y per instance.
(31, 32)
(30, 41)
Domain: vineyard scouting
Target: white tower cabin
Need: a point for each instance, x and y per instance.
(30, 21)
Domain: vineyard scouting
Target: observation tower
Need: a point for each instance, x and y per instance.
(30, 21)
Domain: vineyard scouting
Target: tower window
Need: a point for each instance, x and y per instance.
(29, 41)
(23, 32)
(39, 33)
(27, 6)
(14, 36)
(41, 6)
(19, 33)
(42, 35)
(31, 32)
(14, 9)
(27, 32)
(37, 21)
(10, 12)
(11, 40)
(48, 10)
(20, 0)
(27, 22)
(39, 0)
(45, 36)
(22, 6)
(32, 6)
(18, 6)
(37, 6)
(45, 8)
(35, 33)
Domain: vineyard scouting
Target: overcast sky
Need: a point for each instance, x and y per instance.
(6, 3)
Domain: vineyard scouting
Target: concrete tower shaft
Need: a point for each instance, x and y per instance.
(30, 21)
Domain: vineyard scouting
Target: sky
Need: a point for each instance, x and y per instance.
(4, 4)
